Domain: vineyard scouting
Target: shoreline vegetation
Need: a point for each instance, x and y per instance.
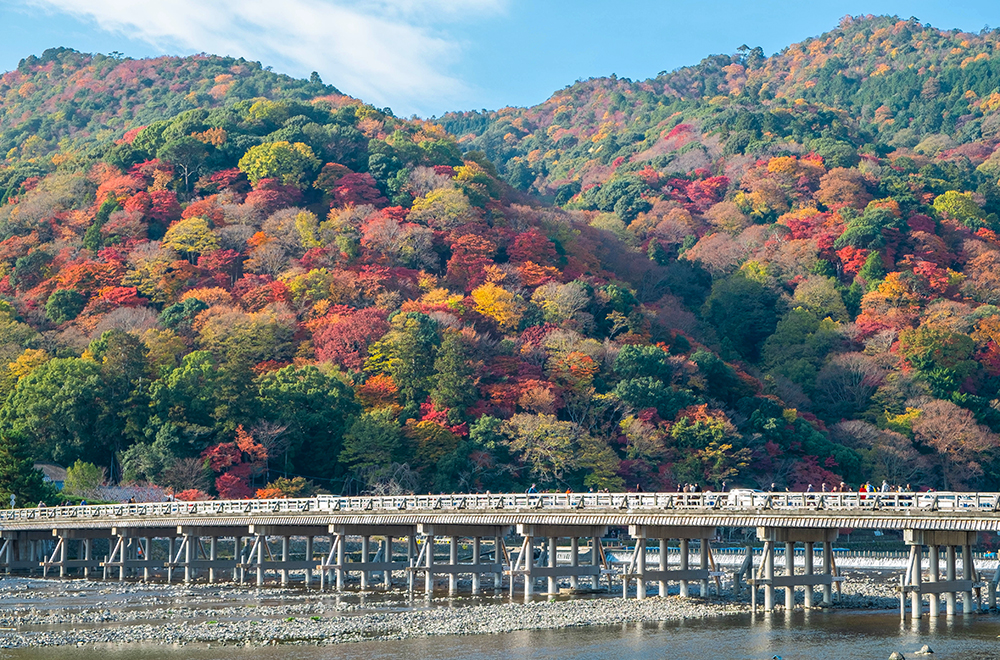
(35, 613)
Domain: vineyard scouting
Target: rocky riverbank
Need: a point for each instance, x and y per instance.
(81, 613)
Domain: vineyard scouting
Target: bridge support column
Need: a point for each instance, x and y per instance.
(790, 536)
(768, 576)
(341, 542)
(703, 565)
(411, 553)
(498, 561)
(387, 557)
(553, 586)
(144, 543)
(213, 555)
(452, 561)
(189, 542)
(951, 585)
(685, 550)
(916, 602)
(429, 573)
(595, 562)
(574, 561)
(789, 572)
(827, 570)
(551, 569)
(640, 569)
(87, 556)
(968, 605)
(950, 577)
(808, 599)
(934, 571)
(284, 560)
(365, 557)
(238, 555)
(170, 561)
(475, 562)
(685, 574)
(529, 565)
(261, 545)
(663, 566)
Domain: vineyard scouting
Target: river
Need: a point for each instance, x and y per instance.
(817, 635)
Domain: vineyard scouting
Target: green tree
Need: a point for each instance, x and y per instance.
(196, 402)
(124, 363)
(374, 441)
(316, 408)
(290, 163)
(454, 382)
(82, 479)
(18, 476)
(743, 312)
(185, 153)
(407, 353)
(191, 237)
(642, 361)
(943, 357)
(60, 409)
(962, 208)
(92, 239)
(64, 305)
(645, 392)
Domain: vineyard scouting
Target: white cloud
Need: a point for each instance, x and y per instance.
(387, 52)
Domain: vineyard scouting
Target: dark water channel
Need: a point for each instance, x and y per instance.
(836, 635)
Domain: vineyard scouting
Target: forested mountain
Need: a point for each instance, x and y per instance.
(756, 270)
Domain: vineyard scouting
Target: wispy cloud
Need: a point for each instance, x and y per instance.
(387, 52)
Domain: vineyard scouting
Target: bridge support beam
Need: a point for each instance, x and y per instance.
(260, 559)
(476, 568)
(65, 538)
(336, 560)
(951, 586)
(21, 550)
(552, 570)
(789, 536)
(639, 572)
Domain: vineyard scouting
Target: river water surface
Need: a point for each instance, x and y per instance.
(822, 635)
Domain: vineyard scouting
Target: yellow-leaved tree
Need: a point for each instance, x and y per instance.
(499, 304)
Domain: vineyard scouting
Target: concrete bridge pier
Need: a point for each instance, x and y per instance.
(552, 570)
(969, 576)
(949, 570)
(574, 561)
(336, 561)
(365, 557)
(951, 586)
(789, 536)
(476, 541)
(639, 571)
(22, 550)
(476, 568)
(260, 559)
(685, 556)
(60, 553)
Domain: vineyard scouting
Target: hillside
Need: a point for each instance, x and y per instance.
(758, 283)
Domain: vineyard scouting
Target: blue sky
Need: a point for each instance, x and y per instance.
(428, 56)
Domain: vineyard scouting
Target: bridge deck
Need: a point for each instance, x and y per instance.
(929, 511)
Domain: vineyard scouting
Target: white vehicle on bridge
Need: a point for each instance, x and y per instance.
(747, 497)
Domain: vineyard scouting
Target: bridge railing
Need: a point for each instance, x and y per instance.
(750, 502)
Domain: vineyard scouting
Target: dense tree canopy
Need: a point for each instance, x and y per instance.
(757, 270)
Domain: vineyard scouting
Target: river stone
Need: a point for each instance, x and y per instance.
(924, 650)
(896, 655)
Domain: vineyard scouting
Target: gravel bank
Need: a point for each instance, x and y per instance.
(80, 613)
